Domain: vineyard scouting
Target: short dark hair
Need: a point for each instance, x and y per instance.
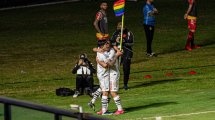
(101, 2)
(102, 42)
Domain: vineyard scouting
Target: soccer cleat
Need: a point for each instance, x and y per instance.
(188, 48)
(195, 47)
(77, 93)
(91, 105)
(105, 113)
(100, 112)
(118, 112)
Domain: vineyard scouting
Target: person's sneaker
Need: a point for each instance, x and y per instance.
(91, 105)
(125, 87)
(195, 47)
(118, 112)
(188, 48)
(77, 93)
(148, 54)
(151, 54)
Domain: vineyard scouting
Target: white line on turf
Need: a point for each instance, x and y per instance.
(170, 116)
(36, 5)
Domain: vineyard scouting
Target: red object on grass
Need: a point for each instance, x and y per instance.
(169, 74)
(192, 72)
(148, 76)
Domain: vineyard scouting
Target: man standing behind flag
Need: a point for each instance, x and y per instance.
(127, 43)
(101, 23)
(191, 16)
(149, 12)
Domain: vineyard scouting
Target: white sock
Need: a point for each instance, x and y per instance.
(104, 103)
(118, 103)
(96, 95)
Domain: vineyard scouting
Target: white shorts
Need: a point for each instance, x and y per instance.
(109, 82)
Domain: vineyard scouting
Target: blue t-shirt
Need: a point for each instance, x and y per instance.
(148, 19)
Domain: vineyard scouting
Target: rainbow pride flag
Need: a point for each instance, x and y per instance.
(118, 7)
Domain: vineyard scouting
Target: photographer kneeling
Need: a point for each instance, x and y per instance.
(84, 80)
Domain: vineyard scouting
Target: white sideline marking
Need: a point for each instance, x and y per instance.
(36, 5)
(179, 115)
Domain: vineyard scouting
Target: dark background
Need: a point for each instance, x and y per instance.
(9, 3)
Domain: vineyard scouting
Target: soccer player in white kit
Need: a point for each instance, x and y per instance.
(108, 75)
(98, 92)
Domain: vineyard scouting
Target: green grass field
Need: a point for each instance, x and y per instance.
(39, 46)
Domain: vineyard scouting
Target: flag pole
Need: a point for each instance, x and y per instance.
(121, 37)
(121, 32)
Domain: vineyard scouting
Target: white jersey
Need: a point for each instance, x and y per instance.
(108, 77)
(100, 70)
(111, 54)
(105, 57)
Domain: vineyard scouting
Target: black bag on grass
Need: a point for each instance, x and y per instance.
(64, 92)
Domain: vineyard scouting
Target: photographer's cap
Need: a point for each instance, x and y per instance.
(83, 56)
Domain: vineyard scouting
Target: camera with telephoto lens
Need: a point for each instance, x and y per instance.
(84, 58)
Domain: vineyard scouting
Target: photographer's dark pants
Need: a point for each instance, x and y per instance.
(84, 81)
(149, 31)
(126, 61)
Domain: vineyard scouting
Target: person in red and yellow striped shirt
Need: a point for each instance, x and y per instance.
(191, 17)
(101, 24)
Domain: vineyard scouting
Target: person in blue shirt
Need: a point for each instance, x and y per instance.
(149, 12)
